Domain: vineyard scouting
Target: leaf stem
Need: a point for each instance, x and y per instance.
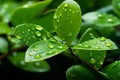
(90, 67)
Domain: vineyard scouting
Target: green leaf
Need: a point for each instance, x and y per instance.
(101, 19)
(112, 70)
(28, 12)
(46, 20)
(116, 6)
(95, 58)
(6, 9)
(17, 59)
(31, 33)
(43, 49)
(3, 45)
(78, 72)
(100, 43)
(67, 20)
(4, 28)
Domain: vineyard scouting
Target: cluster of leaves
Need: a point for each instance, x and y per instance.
(33, 31)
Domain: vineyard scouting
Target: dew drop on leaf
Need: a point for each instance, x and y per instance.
(55, 17)
(38, 33)
(110, 20)
(44, 37)
(38, 28)
(35, 49)
(37, 64)
(92, 60)
(22, 63)
(65, 5)
(51, 46)
(100, 16)
(101, 62)
(37, 56)
(18, 36)
(108, 44)
(102, 39)
(30, 54)
(70, 34)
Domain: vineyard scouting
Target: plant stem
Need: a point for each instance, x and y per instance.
(90, 67)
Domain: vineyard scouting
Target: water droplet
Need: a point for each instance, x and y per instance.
(28, 29)
(97, 47)
(91, 35)
(37, 64)
(35, 49)
(56, 27)
(65, 5)
(60, 14)
(80, 45)
(22, 63)
(92, 60)
(86, 46)
(55, 17)
(51, 46)
(70, 34)
(58, 20)
(60, 47)
(100, 16)
(102, 39)
(37, 56)
(52, 40)
(30, 54)
(44, 37)
(70, 10)
(108, 44)
(110, 20)
(50, 52)
(101, 62)
(38, 27)
(115, 63)
(38, 33)
(118, 5)
(65, 9)
(91, 54)
(18, 36)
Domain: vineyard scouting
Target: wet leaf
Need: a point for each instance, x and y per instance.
(113, 70)
(28, 12)
(17, 59)
(31, 33)
(101, 19)
(67, 20)
(100, 43)
(79, 72)
(43, 49)
(92, 57)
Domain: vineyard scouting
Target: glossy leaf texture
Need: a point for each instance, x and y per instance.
(95, 58)
(113, 70)
(46, 20)
(103, 22)
(100, 43)
(17, 59)
(116, 6)
(31, 33)
(79, 72)
(3, 45)
(101, 19)
(67, 20)
(43, 49)
(28, 12)
(4, 28)
(6, 9)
